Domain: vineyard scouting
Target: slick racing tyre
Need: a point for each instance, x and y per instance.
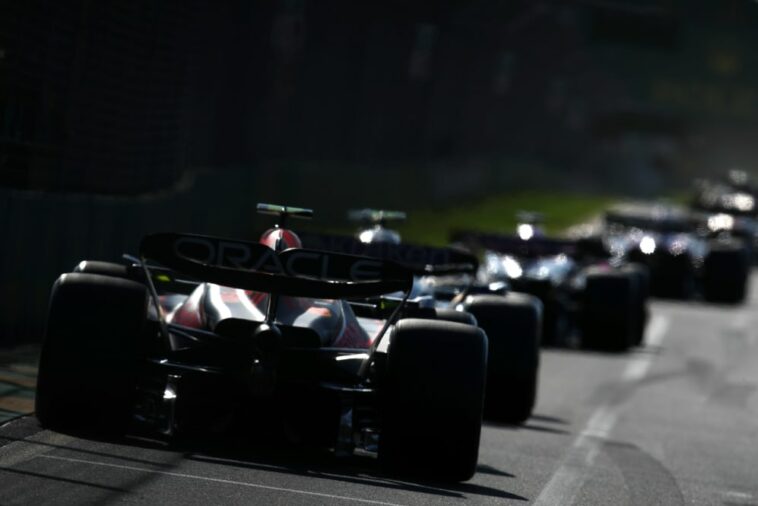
(447, 315)
(88, 362)
(674, 276)
(641, 281)
(608, 311)
(451, 315)
(432, 398)
(102, 268)
(726, 271)
(555, 328)
(512, 325)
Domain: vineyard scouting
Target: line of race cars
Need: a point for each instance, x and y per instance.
(358, 343)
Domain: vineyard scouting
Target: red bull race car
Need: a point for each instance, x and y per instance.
(202, 335)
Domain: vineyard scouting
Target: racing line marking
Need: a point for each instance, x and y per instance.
(568, 480)
(217, 480)
(639, 366)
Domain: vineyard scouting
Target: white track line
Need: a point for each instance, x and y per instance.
(217, 480)
(639, 365)
(567, 481)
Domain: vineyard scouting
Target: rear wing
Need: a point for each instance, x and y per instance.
(420, 260)
(375, 216)
(513, 245)
(664, 223)
(295, 272)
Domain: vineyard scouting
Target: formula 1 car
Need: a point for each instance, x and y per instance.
(729, 206)
(735, 195)
(687, 254)
(200, 334)
(606, 302)
(444, 283)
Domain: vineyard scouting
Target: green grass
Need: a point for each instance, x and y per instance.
(498, 214)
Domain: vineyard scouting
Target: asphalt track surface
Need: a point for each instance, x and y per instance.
(673, 423)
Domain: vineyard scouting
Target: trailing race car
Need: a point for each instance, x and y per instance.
(606, 302)
(687, 254)
(735, 195)
(445, 284)
(200, 334)
(729, 206)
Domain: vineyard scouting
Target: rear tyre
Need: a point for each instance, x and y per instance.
(641, 280)
(555, 328)
(102, 268)
(726, 272)
(512, 323)
(675, 277)
(88, 362)
(433, 398)
(608, 312)
(447, 315)
(670, 276)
